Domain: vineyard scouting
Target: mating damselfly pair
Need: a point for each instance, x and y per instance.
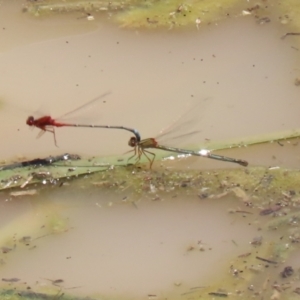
(140, 146)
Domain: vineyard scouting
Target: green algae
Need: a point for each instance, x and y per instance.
(258, 182)
(253, 273)
(176, 14)
(171, 13)
(57, 224)
(256, 188)
(145, 14)
(247, 275)
(289, 12)
(289, 220)
(55, 170)
(53, 6)
(258, 185)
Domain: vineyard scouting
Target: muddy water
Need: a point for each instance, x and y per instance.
(116, 248)
(242, 73)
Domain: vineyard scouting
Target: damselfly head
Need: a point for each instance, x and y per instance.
(132, 142)
(30, 121)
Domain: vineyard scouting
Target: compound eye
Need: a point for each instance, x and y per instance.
(30, 121)
(132, 142)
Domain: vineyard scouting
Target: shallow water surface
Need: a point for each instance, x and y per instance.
(100, 242)
(153, 77)
(118, 248)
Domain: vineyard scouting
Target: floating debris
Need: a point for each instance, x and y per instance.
(11, 279)
(55, 282)
(257, 241)
(25, 240)
(270, 210)
(287, 272)
(23, 193)
(289, 34)
(37, 162)
(218, 294)
(266, 260)
(264, 20)
(6, 249)
(297, 81)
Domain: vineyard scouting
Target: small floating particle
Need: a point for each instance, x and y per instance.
(264, 20)
(290, 33)
(255, 7)
(266, 260)
(5, 249)
(297, 290)
(24, 193)
(297, 81)
(270, 210)
(41, 175)
(179, 8)
(104, 183)
(26, 181)
(90, 18)
(246, 13)
(275, 295)
(257, 241)
(274, 168)
(55, 282)
(198, 22)
(245, 254)
(151, 21)
(190, 248)
(287, 271)
(203, 195)
(240, 193)
(11, 279)
(25, 239)
(256, 268)
(221, 195)
(243, 212)
(217, 294)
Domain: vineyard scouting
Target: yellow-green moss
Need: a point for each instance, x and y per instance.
(289, 11)
(172, 13)
(176, 13)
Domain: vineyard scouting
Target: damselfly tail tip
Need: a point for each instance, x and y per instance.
(243, 163)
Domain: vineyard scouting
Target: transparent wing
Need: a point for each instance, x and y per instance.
(83, 109)
(185, 127)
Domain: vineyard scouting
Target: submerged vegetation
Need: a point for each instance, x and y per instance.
(171, 14)
(63, 168)
(268, 197)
